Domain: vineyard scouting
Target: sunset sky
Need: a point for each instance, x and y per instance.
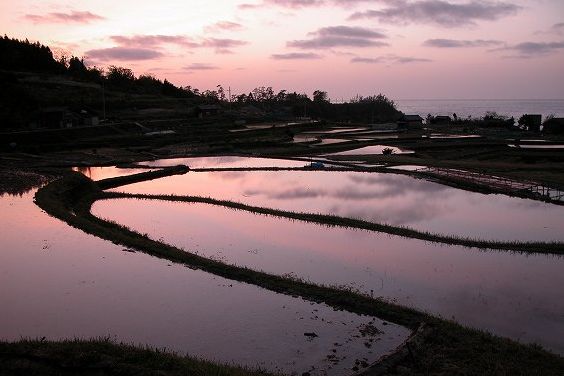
(407, 49)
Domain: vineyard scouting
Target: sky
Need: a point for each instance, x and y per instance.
(406, 49)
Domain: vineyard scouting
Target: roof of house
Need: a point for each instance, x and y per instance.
(208, 107)
(412, 118)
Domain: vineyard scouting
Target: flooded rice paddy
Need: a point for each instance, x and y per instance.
(225, 162)
(524, 146)
(512, 295)
(99, 173)
(65, 284)
(372, 149)
(58, 282)
(384, 198)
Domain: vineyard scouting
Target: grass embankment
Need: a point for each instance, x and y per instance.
(103, 357)
(556, 248)
(325, 219)
(446, 349)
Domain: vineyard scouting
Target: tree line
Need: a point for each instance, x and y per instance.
(25, 56)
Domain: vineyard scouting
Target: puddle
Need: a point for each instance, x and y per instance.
(59, 283)
(508, 294)
(378, 197)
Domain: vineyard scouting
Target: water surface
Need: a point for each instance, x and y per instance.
(59, 282)
(383, 198)
(478, 107)
(512, 295)
(372, 149)
(225, 162)
(99, 173)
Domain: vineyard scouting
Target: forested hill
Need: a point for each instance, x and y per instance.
(33, 79)
(25, 56)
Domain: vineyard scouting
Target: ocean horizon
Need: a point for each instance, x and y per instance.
(479, 107)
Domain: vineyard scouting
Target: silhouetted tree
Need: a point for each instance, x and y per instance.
(20, 55)
(320, 96)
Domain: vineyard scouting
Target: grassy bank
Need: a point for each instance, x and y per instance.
(332, 220)
(103, 357)
(446, 349)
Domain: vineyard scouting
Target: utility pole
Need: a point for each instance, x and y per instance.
(103, 102)
(229, 91)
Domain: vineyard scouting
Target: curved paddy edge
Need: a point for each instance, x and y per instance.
(446, 345)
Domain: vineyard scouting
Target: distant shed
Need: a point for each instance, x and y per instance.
(410, 121)
(441, 120)
(55, 117)
(206, 110)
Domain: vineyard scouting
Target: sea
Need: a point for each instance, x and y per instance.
(477, 108)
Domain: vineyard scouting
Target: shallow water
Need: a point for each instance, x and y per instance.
(453, 136)
(372, 149)
(59, 282)
(523, 146)
(99, 173)
(383, 198)
(225, 162)
(512, 295)
(335, 130)
(332, 141)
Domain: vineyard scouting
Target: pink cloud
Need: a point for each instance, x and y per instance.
(153, 40)
(201, 66)
(57, 17)
(122, 53)
(221, 45)
(224, 26)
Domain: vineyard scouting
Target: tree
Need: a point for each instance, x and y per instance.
(320, 96)
(76, 68)
(120, 77)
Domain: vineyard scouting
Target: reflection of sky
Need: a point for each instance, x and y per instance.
(225, 162)
(99, 173)
(513, 295)
(373, 149)
(59, 282)
(388, 198)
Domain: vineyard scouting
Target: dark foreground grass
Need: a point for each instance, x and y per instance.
(446, 349)
(104, 357)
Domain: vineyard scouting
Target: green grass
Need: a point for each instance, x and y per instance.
(446, 348)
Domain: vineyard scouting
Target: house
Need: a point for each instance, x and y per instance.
(63, 117)
(531, 122)
(410, 121)
(55, 117)
(89, 118)
(553, 125)
(206, 110)
(441, 120)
